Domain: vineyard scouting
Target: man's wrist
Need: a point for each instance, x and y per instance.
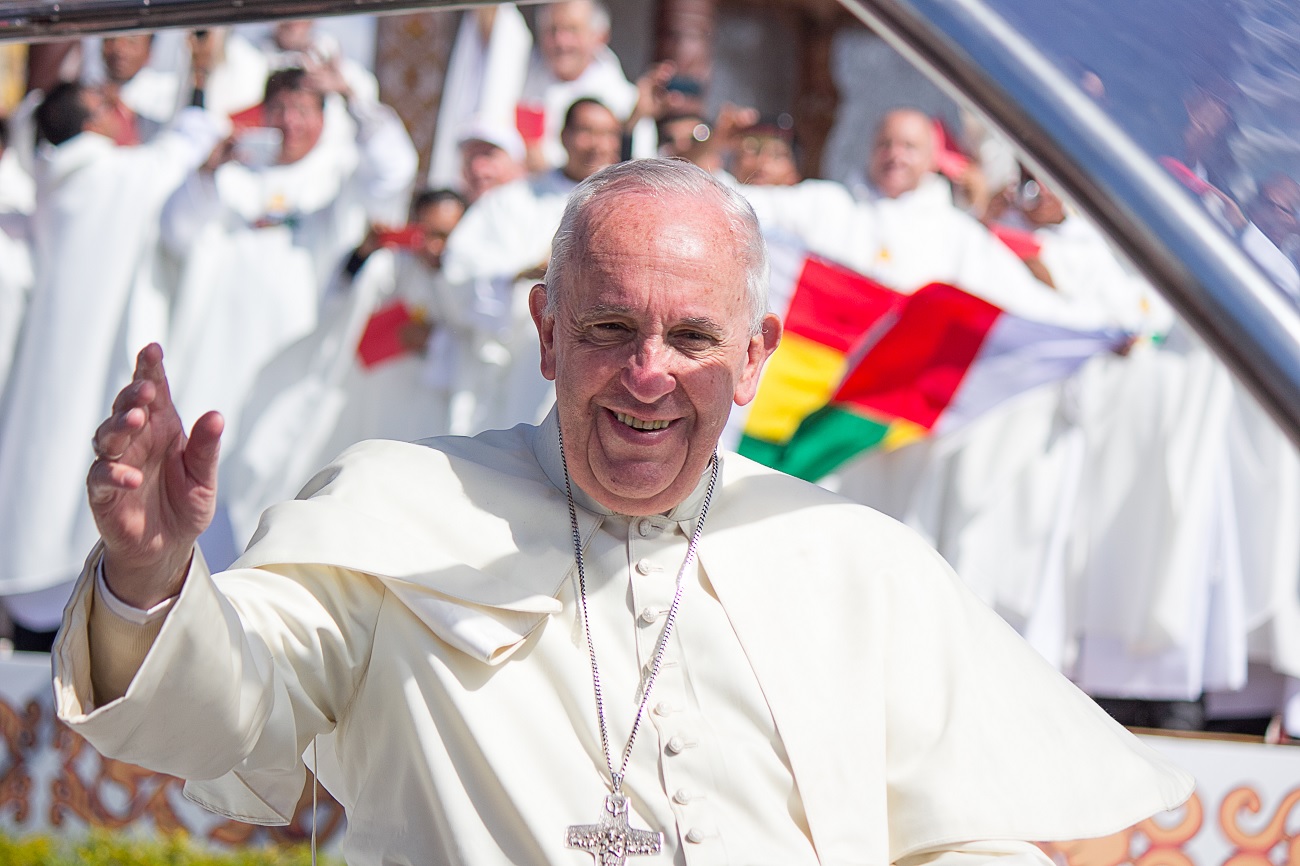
(142, 590)
(123, 610)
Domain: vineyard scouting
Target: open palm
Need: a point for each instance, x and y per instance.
(152, 489)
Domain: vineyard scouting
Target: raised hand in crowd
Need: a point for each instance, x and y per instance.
(730, 126)
(654, 99)
(223, 153)
(326, 76)
(152, 489)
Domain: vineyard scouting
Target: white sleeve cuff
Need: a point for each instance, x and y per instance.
(121, 609)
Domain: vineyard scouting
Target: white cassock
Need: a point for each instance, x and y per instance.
(831, 693)
(17, 200)
(1264, 468)
(259, 248)
(1035, 492)
(483, 85)
(15, 287)
(603, 80)
(1159, 583)
(506, 232)
(315, 398)
(92, 307)
(1172, 521)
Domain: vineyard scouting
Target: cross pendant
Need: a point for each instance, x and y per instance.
(611, 841)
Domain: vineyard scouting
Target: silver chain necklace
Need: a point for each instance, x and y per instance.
(611, 839)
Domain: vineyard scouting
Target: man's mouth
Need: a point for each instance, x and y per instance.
(640, 424)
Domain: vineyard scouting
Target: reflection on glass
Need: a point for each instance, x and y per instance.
(1209, 89)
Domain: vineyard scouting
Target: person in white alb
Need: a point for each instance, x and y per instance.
(572, 61)
(93, 301)
(485, 75)
(495, 254)
(593, 637)
(259, 241)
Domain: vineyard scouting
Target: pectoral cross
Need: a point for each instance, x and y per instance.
(612, 840)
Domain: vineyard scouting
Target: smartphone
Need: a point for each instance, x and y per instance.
(258, 146)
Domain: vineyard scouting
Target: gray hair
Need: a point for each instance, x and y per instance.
(599, 16)
(660, 178)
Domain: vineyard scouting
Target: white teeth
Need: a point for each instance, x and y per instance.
(638, 424)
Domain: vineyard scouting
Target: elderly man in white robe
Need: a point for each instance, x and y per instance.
(594, 636)
(497, 252)
(94, 300)
(573, 61)
(260, 237)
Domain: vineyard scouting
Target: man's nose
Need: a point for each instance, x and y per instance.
(648, 375)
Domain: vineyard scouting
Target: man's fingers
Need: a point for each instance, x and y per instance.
(203, 449)
(106, 480)
(115, 435)
(147, 359)
(149, 367)
(139, 393)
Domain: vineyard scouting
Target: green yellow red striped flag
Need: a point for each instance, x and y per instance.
(830, 307)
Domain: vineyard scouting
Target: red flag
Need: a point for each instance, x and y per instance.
(382, 341)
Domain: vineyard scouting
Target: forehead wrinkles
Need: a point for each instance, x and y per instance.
(644, 225)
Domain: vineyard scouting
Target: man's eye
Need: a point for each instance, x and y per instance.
(610, 329)
(695, 339)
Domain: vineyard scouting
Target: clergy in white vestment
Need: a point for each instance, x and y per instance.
(491, 155)
(496, 254)
(1158, 570)
(144, 96)
(1020, 547)
(573, 61)
(93, 300)
(1143, 597)
(259, 245)
(595, 636)
(299, 44)
(330, 390)
(485, 75)
(900, 227)
(15, 254)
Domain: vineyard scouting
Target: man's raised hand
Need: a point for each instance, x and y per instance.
(152, 489)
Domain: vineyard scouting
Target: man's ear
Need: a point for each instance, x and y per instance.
(761, 347)
(545, 328)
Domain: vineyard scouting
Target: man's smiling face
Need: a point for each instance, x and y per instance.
(649, 347)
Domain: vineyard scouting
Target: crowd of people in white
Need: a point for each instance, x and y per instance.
(255, 209)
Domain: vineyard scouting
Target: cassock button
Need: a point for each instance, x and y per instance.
(696, 835)
(644, 527)
(645, 566)
(649, 616)
(663, 708)
(675, 745)
(683, 796)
